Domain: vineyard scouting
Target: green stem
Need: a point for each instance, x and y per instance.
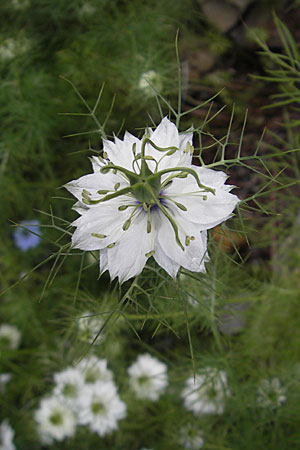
(193, 173)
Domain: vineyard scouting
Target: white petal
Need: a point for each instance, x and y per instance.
(102, 219)
(120, 152)
(103, 260)
(170, 266)
(128, 257)
(207, 213)
(193, 256)
(94, 182)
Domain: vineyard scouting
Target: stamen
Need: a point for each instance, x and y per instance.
(116, 186)
(179, 205)
(148, 221)
(126, 225)
(105, 155)
(100, 236)
(123, 207)
(149, 254)
(188, 239)
(111, 245)
(127, 222)
(103, 191)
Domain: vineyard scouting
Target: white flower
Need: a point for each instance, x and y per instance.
(68, 386)
(100, 407)
(148, 377)
(10, 48)
(147, 199)
(6, 436)
(271, 393)
(20, 4)
(94, 369)
(150, 82)
(55, 420)
(4, 379)
(191, 437)
(206, 393)
(89, 326)
(10, 336)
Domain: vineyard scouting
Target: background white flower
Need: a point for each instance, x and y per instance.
(271, 393)
(10, 336)
(94, 369)
(89, 327)
(206, 393)
(6, 436)
(55, 420)
(148, 377)
(4, 379)
(100, 407)
(68, 385)
(191, 437)
(147, 199)
(150, 83)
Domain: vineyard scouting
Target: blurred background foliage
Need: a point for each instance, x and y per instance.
(243, 316)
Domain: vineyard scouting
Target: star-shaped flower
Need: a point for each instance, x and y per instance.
(146, 198)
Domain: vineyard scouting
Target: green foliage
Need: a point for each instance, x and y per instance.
(241, 317)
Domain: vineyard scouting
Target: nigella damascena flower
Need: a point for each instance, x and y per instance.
(148, 377)
(55, 421)
(150, 82)
(271, 393)
(145, 199)
(206, 392)
(6, 436)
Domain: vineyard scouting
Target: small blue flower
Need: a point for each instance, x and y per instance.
(24, 237)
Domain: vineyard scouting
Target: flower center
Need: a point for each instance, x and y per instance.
(69, 390)
(56, 418)
(146, 187)
(97, 407)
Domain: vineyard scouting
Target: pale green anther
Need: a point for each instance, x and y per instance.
(105, 169)
(204, 197)
(126, 225)
(103, 191)
(189, 148)
(115, 171)
(85, 201)
(148, 227)
(181, 206)
(188, 239)
(111, 245)
(134, 148)
(85, 194)
(100, 236)
(105, 156)
(116, 186)
(149, 254)
(123, 207)
(145, 207)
